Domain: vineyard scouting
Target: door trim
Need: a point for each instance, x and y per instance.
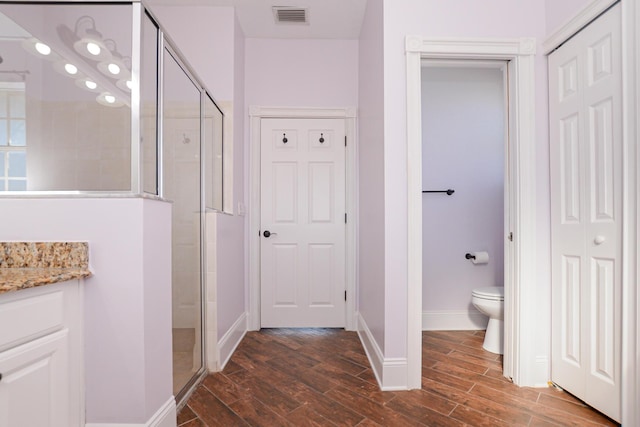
(521, 361)
(256, 114)
(631, 209)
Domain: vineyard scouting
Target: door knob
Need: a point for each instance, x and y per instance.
(267, 233)
(599, 240)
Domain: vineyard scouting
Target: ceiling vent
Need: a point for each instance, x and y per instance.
(290, 15)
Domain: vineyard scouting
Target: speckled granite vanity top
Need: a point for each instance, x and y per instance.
(29, 264)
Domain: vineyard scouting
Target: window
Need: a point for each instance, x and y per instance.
(13, 140)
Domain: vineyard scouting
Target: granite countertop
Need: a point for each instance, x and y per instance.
(28, 264)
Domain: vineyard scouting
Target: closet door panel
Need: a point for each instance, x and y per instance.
(568, 218)
(585, 102)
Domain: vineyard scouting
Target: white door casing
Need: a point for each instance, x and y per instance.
(302, 223)
(522, 360)
(585, 99)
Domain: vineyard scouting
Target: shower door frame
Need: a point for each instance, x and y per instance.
(165, 44)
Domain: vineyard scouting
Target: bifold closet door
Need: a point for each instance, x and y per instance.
(585, 99)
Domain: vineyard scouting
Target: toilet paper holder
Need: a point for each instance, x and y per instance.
(480, 257)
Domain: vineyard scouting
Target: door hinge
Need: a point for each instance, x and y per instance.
(510, 237)
(345, 295)
(345, 140)
(345, 218)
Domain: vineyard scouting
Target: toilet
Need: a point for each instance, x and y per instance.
(490, 302)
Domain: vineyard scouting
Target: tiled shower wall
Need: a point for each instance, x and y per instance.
(78, 146)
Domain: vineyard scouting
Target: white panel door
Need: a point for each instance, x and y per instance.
(302, 266)
(585, 98)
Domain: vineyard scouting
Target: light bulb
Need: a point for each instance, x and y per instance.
(129, 84)
(43, 48)
(113, 69)
(93, 49)
(70, 68)
(90, 84)
(110, 99)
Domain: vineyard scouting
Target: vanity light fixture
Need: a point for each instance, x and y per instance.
(113, 68)
(88, 84)
(109, 100)
(71, 69)
(93, 48)
(125, 84)
(90, 43)
(115, 65)
(37, 48)
(66, 68)
(42, 48)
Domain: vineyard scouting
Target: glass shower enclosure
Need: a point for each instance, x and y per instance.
(96, 101)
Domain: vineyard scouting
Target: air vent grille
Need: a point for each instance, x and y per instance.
(290, 15)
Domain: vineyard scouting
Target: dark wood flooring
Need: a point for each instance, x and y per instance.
(321, 377)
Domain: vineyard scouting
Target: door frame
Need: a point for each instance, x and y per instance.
(630, 392)
(256, 114)
(522, 362)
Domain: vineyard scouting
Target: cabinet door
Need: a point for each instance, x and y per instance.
(34, 389)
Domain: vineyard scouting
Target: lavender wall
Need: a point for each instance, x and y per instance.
(127, 301)
(239, 111)
(463, 149)
(301, 73)
(203, 34)
(465, 18)
(158, 360)
(231, 228)
(371, 225)
(559, 12)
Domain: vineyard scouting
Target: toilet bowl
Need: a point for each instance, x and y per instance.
(490, 302)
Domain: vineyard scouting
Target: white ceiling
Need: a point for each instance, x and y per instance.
(328, 19)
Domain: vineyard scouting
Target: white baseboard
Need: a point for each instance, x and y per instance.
(453, 320)
(230, 340)
(391, 373)
(376, 359)
(395, 373)
(166, 416)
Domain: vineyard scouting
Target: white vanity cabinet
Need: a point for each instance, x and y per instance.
(41, 356)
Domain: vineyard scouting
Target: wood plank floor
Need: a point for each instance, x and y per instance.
(321, 377)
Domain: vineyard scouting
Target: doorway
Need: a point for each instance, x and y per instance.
(181, 183)
(465, 202)
(256, 234)
(521, 363)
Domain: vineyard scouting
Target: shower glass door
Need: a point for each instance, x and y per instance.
(182, 185)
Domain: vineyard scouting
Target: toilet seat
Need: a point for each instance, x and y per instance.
(493, 293)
